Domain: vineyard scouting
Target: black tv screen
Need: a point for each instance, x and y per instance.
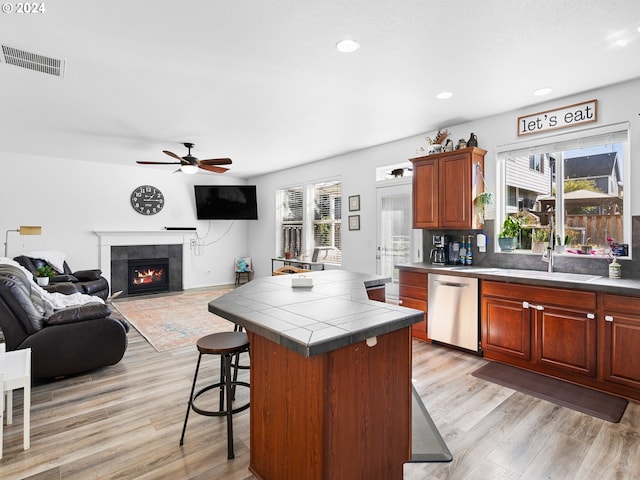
(226, 202)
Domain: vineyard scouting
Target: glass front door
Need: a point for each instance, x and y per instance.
(397, 241)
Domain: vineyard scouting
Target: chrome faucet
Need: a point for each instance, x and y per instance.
(548, 255)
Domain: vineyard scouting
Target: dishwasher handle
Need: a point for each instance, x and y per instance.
(452, 284)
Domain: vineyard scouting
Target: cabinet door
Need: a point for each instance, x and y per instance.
(506, 327)
(418, 330)
(621, 352)
(425, 194)
(565, 340)
(456, 204)
(413, 294)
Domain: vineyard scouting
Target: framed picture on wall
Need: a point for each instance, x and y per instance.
(354, 222)
(354, 203)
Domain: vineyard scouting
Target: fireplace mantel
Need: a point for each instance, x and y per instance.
(110, 238)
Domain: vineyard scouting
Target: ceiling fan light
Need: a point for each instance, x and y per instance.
(189, 169)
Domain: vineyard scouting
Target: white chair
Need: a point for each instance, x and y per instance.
(15, 367)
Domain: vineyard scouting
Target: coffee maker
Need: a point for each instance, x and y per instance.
(440, 251)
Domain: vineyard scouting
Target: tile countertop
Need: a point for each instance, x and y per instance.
(333, 313)
(577, 281)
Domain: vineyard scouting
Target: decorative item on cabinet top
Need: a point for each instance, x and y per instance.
(434, 145)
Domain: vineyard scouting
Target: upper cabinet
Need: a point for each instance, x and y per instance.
(445, 186)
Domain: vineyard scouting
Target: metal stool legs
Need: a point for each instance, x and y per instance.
(227, 386)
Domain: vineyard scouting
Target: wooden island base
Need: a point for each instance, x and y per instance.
(344, 414)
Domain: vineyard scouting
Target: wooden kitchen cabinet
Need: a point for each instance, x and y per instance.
(621, 340)
(445, 186)
(550, 330)
(506, 324)
(413, 294)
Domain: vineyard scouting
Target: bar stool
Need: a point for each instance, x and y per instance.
(229, 345)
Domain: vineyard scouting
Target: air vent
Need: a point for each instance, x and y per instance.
(33, 61)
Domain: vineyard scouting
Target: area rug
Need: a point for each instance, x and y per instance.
(592, 402)
(173, 321)
(426, 443)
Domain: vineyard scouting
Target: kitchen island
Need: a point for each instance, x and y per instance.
(330, 376)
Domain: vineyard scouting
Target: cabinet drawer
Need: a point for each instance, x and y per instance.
(413, 278)
(542, 295)
(419, 293)
(413, 303)
(619, 303)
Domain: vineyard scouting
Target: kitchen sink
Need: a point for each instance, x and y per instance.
(537, 274)
(569, 277)
(532, 274)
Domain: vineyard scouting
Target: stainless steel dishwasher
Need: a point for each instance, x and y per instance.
(453, 311)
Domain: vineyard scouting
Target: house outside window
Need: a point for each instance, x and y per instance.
(577, 181)
(309, 221)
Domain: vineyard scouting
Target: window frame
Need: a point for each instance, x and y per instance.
(308, 222)
(564, 142)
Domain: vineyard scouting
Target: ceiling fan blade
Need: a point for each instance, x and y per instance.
(171, 154)
(159, 163)
(212, 168)
(215, 161)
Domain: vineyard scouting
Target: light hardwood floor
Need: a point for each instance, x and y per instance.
(124, 422)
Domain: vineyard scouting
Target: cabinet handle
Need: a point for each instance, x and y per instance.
(608, 318)
(531, 305)
(399, 302)
(590, 316)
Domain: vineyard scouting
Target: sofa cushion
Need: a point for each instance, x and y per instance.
(64, 278)
(88, 311)
(87, 275)
(52, 257)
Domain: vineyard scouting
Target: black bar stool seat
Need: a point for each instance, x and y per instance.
(229, 345)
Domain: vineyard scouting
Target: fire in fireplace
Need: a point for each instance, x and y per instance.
(148, 276)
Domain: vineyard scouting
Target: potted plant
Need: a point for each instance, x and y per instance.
(482, 200)
(540, 239)
(44, 274)
(508, 236)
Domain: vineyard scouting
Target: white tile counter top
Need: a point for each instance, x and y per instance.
(333, 313)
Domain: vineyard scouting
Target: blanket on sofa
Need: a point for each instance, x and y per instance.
(46, 302)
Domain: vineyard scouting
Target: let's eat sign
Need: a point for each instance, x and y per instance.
(563, 117)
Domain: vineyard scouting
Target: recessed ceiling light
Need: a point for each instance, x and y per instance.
(543, 91)
(347, 46)
(443, 95)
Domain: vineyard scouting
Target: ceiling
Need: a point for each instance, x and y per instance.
(261, 82)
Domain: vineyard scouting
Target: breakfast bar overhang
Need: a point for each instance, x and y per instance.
(330, 376)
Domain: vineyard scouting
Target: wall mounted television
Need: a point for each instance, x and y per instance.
(226, 202)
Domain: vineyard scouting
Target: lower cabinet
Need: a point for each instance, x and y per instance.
(587, 338)
(413, 294)
(621, 340)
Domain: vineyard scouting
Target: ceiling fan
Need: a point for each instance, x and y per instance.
(190, 164)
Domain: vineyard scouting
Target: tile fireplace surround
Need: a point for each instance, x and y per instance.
(177, 241)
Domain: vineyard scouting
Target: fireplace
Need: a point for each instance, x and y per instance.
(148, 275)
(155, 257)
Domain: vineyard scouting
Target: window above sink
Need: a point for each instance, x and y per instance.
(577, 182)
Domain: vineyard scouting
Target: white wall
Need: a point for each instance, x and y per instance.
(72, 199)
(358, 170)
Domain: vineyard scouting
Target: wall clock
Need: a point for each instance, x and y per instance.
(147, 200)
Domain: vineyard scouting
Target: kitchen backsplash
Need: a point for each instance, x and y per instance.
(533, 261)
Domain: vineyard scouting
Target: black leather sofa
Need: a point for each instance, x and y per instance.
(71, 340)
(90, 282)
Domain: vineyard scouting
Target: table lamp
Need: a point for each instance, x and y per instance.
(22, 230)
